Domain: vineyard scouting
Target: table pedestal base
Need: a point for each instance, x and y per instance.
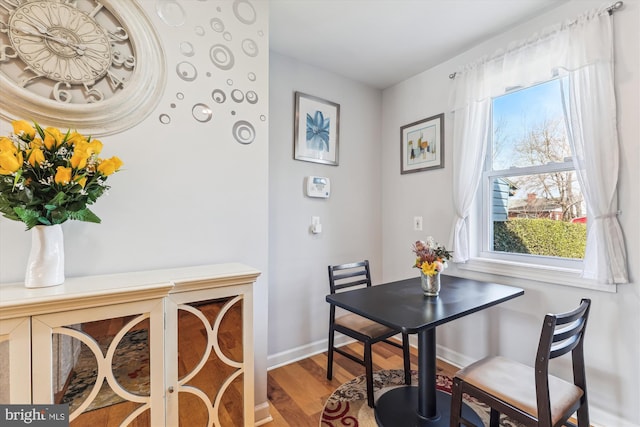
(397, 407)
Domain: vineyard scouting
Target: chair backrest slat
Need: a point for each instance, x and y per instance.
(340, 286)
(566, 338)
(564, 347)
(349, 275)
(561, 334)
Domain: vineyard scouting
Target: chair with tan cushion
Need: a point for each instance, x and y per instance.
(530, 395)
(367, 331)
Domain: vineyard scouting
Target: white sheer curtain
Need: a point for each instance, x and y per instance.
(582, 50)
(470, 133)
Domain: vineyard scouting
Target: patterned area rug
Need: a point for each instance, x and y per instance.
(130, 368)
(347, 406)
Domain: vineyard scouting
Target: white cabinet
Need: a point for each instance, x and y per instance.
(15, 359)
(190, 330)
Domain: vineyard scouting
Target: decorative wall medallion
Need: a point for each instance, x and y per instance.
(95, 66)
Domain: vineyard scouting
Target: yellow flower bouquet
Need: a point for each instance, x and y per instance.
(48, 177)
(431, 257)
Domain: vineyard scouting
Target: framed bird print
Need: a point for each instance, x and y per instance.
(316, 130)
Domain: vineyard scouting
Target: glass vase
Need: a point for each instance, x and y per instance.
(430, 284)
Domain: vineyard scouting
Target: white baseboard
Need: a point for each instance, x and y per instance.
(452, 357)
(262, 415)
(289, 356)
(601, 418)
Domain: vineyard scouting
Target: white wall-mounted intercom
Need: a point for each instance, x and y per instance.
(318, 186)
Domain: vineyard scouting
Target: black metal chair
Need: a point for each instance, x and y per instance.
(367, 331)
(530, 395)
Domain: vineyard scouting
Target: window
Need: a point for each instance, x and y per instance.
(533, 208)
(501, 181)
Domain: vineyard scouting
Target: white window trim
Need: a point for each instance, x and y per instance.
(538, 273)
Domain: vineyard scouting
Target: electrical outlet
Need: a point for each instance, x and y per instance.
(417, 223)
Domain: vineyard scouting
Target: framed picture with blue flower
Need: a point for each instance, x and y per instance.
(422, 145)
(316, 130)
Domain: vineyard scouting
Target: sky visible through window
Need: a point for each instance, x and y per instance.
(517, 112)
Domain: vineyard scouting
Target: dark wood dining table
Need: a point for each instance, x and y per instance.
(401, 305)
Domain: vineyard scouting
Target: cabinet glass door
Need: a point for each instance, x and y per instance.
(101, 370)
(210, 363)
(100, 361)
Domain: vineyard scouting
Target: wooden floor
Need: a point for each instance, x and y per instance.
(297, 392)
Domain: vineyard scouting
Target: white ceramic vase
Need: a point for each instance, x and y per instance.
(45, 266)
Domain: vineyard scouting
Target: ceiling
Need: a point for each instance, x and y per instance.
(383, 42)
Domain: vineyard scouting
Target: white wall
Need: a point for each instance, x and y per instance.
(189, 192)
(351, 217)
(613, 340)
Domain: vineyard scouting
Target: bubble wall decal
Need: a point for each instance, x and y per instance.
(244, 11)
(219, 96)
(201, 112)
(186, 71)
(251, 97)
(250, 48)
(170, 12)
(186, 49)
(244, 132)
(237, 95)
(227, 36)
(217, 25)
(221, 56)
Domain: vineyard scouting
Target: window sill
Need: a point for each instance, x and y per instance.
(546, 274)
